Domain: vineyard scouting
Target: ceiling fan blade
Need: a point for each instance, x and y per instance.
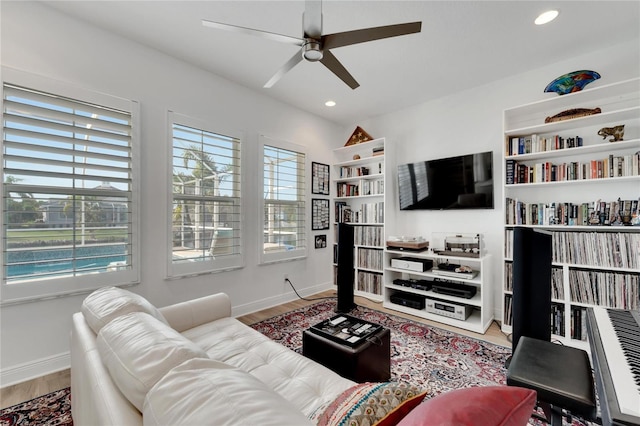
(312, 19)
(331, 62)
(264, 34)
(347, 38)
(284, 69)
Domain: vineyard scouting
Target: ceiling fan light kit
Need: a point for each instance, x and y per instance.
(314, 47)
(312, 51)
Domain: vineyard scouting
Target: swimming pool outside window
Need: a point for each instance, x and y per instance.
(68, 193)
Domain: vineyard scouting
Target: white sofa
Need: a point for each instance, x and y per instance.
(188, 363)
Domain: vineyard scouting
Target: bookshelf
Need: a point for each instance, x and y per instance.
(358, 187)
(564, 177)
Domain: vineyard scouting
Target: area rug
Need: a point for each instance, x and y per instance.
(53, 409)
(429, 357)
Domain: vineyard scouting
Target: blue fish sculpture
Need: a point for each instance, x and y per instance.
(572, 82)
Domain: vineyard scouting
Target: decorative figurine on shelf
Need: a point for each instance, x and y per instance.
(572, 82)
(616, 133)
(358, 136)
(356, 157)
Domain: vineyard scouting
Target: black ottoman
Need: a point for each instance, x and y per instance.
(369, 361)
(561, 375)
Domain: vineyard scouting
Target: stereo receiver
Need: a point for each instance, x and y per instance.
(448, 309)
(412, 264)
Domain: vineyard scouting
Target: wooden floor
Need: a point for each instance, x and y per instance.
(28, 390)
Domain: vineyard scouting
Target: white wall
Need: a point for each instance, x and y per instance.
(471, 121)
(40, 40)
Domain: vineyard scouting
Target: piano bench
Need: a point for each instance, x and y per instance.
(561, 375)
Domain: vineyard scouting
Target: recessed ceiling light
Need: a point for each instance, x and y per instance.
(330, 103)
(546, 17)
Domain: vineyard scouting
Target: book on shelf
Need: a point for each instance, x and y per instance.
(529, 144)
(598, 213)
(612, 166)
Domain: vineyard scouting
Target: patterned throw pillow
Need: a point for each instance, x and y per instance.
(366, 404)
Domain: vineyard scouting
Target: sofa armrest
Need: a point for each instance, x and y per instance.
(192, 313)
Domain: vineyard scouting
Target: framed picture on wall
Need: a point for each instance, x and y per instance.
(321, 241)
(319, 214)
(319, 178)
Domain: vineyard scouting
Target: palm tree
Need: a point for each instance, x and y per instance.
(206, 178)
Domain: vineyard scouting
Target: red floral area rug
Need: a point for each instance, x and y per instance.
(429, 357)
(53, 409)
(421, 355)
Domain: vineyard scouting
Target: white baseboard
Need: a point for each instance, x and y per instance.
(270, 302)
(33, 369)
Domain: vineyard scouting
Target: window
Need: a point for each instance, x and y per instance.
(205, 208)
(284, 202)
(68, 193)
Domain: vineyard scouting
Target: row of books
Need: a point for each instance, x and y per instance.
(370, 259)
(600, 249)
(348, 172)
(557, 315)
(615, 290)
(578, 323)
(557, 281)
(366, 187)
(366, 213)
(598, 213)
(369, 282)
(368, 236)
(356, 171)
(518, 145)
(557, 319)
(609, 167)
(347, 190)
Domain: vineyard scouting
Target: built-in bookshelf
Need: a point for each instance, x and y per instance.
(569, 177)
(358, 181)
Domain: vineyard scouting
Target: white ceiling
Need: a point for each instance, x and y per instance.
(463, 44)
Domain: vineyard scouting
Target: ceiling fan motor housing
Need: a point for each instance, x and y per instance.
(312, 50)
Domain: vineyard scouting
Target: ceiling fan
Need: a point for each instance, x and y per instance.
(314, 46)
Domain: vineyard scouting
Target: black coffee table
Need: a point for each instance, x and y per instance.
(361, 356)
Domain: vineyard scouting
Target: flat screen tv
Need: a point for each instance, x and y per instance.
(462, 182)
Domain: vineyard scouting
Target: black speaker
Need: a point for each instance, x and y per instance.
(345, 276)
(531, 306)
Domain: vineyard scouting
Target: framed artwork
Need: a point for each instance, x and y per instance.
(321, 241)
(319, 178)
(319, 214)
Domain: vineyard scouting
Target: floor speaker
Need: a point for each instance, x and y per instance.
(345, 274)
(531, 306)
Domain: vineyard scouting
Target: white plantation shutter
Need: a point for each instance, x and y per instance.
(284, 202)
(206, 218)
(68, 193)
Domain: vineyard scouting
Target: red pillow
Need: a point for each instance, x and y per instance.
(486, 406)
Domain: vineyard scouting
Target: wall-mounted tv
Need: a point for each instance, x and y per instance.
(462, 182)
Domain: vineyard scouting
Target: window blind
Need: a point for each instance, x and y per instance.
(284, 203)
(68, 187)
(206, 208)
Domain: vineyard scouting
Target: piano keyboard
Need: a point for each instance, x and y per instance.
(620, 335)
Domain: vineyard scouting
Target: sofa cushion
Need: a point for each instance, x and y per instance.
(383, 404)
(138, 350)
(303, 382)
(198, 392)
(108, 303)
(495, 405)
